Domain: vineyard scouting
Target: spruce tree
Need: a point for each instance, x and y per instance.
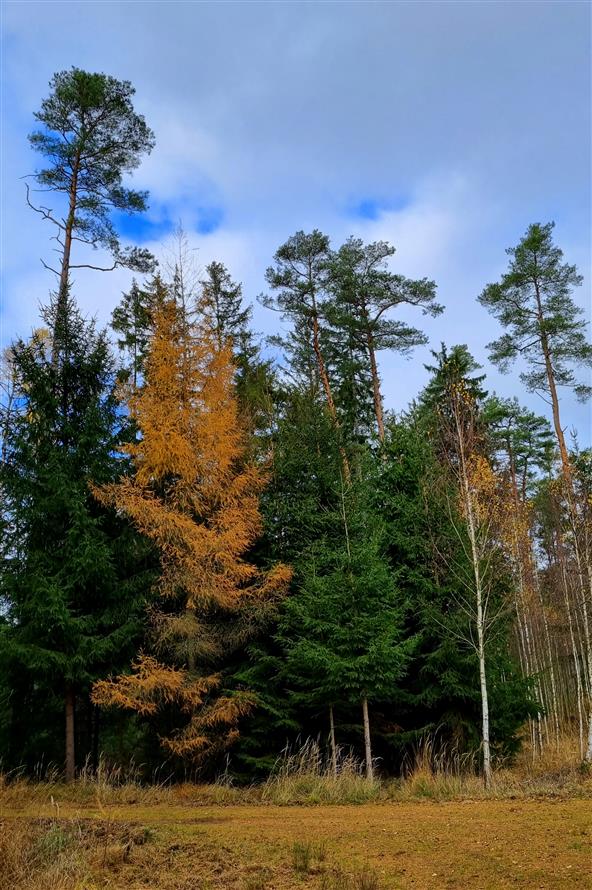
(343, 630)
(71, 585)
(222, 301)
(132, 321)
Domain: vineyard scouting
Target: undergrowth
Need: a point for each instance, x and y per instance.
(304, 777)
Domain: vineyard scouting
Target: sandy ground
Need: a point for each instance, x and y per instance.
(475, 845)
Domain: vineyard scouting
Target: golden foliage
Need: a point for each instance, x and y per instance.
(151, 685)
(195, 495)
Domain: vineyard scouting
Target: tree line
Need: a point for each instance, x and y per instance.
(208, 554)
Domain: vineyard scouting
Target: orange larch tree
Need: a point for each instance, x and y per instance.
(196, 497)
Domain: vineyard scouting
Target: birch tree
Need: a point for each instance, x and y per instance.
(455, 397)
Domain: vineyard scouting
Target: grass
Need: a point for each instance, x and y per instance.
(63, 854)
(435, 828)
(303, 777)
(424, 845)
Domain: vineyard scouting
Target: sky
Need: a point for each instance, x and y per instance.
(445, 128)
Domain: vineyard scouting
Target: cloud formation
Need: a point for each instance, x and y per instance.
(445, 128)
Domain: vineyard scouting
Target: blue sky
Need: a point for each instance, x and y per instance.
(444, 128)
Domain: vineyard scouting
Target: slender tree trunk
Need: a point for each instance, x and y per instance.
(96, 719)
(66, 251)
(484, 694)
(567, 473)
(549, 649)
(324, 377)
(367, 742)
(576, 658)
(375, 386)
(332, 741)
(70, 700)
(481, 617)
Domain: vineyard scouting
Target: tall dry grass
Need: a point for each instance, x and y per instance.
(104, 786)
(443, 773)
(305, 775)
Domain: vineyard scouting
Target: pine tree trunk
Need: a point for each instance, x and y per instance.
(322, 369)
(332, 741)
(70, 700)
(66, 251)
(367, 742)
(376, 386)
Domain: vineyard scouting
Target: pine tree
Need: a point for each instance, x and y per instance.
(364, 293)
(193, 495)
(300, 280)
(91, 136)
(73, 578)
(546, 329)
(544, 326)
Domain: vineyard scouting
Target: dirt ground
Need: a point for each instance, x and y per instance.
(476, 845)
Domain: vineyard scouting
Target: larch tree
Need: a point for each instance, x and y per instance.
(90, 136)
(196, 498)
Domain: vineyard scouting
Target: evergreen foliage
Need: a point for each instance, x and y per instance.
(203, 539)
(91, 136)
(73, 577)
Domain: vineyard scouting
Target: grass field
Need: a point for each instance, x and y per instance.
(437, 828)
(468, 844)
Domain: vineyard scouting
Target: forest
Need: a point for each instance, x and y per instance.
(218, 548)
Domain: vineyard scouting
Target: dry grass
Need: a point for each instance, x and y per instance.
(63, 854)
(303, 777)
(493, 844)
(436, 828)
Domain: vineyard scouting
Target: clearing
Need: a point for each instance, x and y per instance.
(471, 844)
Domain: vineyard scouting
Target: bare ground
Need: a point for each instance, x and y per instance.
(469, 844)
